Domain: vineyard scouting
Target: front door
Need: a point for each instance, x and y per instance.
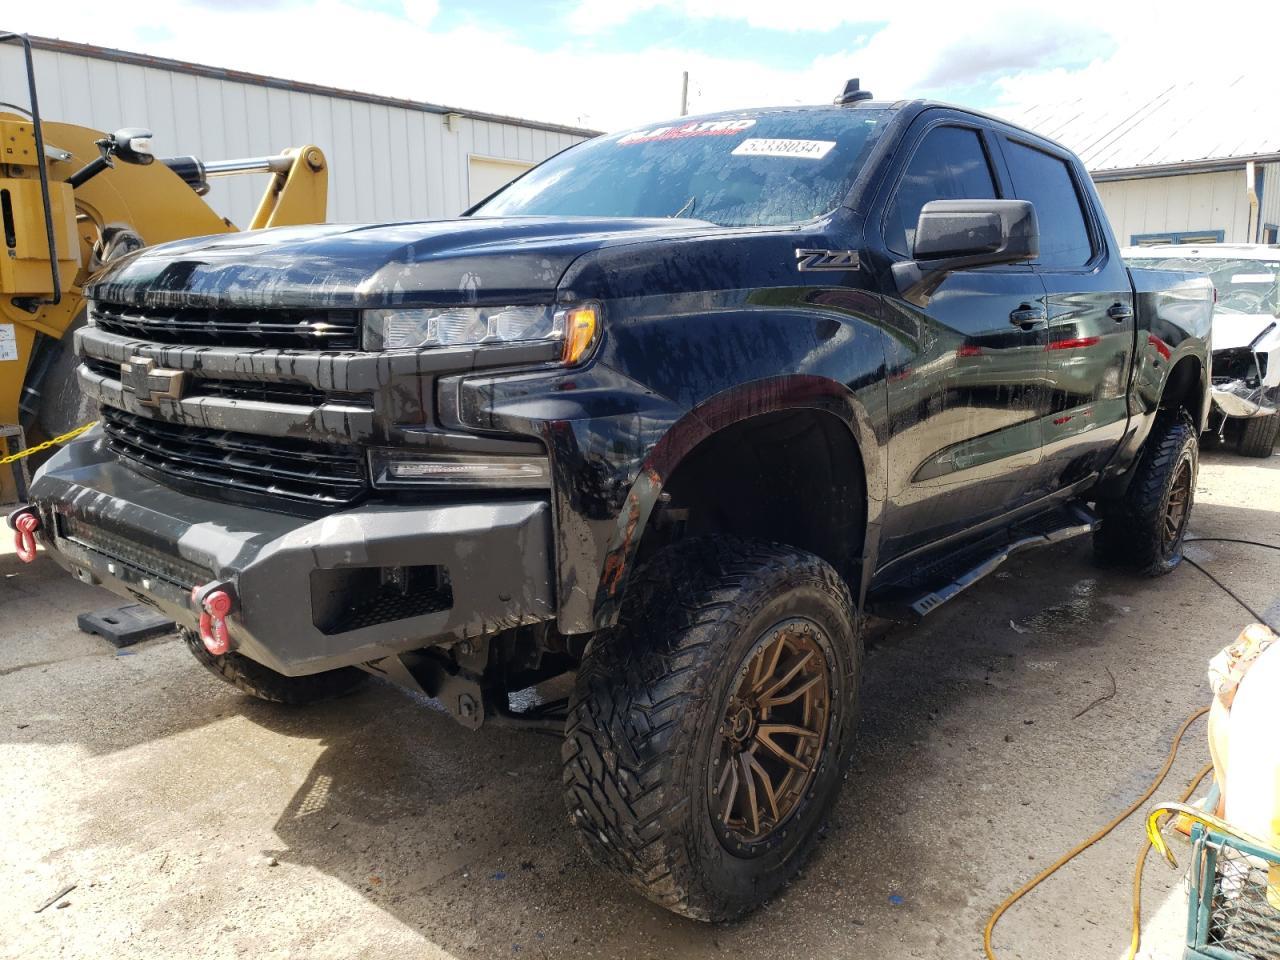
(967, 379)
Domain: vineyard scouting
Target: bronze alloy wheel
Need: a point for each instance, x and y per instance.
(1143, 525)
(771, 737)
(708, 734)
(1179, 507)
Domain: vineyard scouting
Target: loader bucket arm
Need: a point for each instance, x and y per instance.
(297, 194)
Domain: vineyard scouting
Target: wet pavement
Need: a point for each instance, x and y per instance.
(195, 822)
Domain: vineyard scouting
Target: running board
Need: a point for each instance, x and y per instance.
(933, 585)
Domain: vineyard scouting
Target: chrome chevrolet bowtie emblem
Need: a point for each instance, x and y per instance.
(151, 384)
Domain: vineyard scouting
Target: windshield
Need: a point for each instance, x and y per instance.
(767, 169)
(1244, 286)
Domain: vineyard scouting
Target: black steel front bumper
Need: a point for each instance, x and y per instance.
(299, 579)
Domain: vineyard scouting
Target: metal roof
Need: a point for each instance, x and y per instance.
(1180, 126)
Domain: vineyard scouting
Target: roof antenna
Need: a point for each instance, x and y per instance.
(852, 94)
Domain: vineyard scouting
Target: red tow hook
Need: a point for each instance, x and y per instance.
(25, 523)
(215, 601)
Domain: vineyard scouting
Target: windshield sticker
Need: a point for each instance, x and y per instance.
(1253, 278)
(704, 128)
(808, 149)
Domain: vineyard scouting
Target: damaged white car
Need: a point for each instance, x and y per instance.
(1246, 335)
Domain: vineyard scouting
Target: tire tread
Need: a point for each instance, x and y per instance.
(638, 692)
(1258, 438)
(1131, 529)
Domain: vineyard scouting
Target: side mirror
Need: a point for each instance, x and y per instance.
(958, 234)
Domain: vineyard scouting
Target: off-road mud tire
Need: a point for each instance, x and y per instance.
(646, 711)
(249, 676)
(1258, 437)
(1133, 526)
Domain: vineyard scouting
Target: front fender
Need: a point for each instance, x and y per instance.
(659, 385)
(773, 395)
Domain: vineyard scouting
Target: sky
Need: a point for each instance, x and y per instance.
(614, 64)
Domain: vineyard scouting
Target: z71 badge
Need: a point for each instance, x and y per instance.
(827, 260)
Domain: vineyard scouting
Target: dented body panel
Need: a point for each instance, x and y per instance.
(951, 419)
(1246, 321)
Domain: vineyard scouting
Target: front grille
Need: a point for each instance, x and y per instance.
(321, 473)
(103, 368)
(277, 391)
(240, 327)
(144, 559)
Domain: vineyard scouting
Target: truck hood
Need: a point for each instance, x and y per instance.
(1231, 329)
(467, 260)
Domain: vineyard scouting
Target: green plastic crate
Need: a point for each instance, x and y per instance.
(1229, 916)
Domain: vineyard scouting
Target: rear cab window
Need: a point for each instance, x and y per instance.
(1046, 181)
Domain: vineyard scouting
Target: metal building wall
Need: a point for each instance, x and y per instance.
(1270, 201)
(387, 162)
(1193, 202)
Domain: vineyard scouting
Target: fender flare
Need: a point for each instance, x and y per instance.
(739, 403)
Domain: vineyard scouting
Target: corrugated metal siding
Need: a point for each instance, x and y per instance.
(1271, 195)
(385, 162)
(1202, 201)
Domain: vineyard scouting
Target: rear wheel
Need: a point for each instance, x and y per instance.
(1145, 528)
(1258, 438)
(249, 676)
(708, 732)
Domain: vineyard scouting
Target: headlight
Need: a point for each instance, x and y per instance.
(438, 327)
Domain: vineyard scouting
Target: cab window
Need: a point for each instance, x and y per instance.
(1046, 181)
(949, 164)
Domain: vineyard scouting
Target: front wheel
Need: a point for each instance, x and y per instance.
(708, 732)
(1145, 528)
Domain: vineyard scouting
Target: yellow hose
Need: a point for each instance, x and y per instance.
(1086, 844)
(1135, 933)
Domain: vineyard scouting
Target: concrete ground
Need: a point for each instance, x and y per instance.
(195, 822)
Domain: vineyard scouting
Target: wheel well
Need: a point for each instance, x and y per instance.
(1182, 389)
(793, 477)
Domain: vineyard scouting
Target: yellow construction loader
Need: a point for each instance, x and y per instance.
(72, 199)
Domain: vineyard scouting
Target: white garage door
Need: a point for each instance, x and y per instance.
(487, 174)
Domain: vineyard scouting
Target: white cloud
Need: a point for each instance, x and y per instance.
(421, 12)
(592, 16)
(1015, 51)
(595, 16)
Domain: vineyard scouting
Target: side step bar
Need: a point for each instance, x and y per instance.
(916, 599)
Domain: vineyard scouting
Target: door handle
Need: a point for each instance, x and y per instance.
(1120, 312)
(1026, 316)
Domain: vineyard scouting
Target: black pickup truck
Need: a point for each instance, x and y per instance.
(674, 411)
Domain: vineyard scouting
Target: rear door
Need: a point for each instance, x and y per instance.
(966, 384)
(1091, 312)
